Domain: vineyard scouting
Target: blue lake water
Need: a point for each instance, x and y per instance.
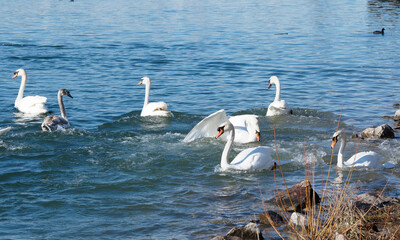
(116, 175)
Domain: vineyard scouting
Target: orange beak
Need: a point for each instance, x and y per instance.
(140, 83)
(334, 141)
(269, 85)
(258, 136)
(220, 132)
(15, 75)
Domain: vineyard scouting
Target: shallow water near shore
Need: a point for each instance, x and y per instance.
(116, 175)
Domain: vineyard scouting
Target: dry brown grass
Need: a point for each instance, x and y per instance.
(336, 213)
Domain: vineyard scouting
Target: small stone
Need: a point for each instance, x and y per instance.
(248, 232)
(365, 200)
(396, 125)
(340, 237)
(302, 195)
(276, 218)
(298, 219)
(383, 131)
(396, 116)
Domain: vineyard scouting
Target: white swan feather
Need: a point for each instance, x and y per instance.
(4, 130)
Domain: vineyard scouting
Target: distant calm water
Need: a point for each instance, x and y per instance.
(115, 175)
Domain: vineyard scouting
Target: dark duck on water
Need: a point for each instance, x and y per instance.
(380, 32)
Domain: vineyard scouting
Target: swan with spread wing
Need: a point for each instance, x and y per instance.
(246, 127)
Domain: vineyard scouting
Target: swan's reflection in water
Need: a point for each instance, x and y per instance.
(27, 118)
(154, 122)
(338, 181)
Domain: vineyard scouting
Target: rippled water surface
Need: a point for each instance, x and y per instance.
(116, 175)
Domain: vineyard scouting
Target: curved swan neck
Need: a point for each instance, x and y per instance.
(224, 158)
(146, 96)
(62, 108)
(278, 91)
(343, 140)
(24, 78)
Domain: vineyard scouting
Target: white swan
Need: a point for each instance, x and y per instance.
(4, 130)
(368, 159)
(257, 158)
(154, 108)
(54, 122)
(31, 104)
(277, 107)
(246, 127)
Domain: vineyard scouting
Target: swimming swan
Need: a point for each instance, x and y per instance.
(257, 158)
(154, 108)
(246, 127)
(31, 104)
(4, 130)
(277, 107)
(54, 122)
(368, 159)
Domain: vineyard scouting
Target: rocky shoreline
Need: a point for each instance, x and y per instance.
(379, 215)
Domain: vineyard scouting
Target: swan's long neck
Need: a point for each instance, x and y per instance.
(224, 158)
(146, 96)
(21, 87)
(341, 150)
(278, 91)
(62, 108)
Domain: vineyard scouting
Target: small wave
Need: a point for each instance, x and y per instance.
(391, 151)
(10, 147)
(312, 157)
(17, 45)
(6, 44)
